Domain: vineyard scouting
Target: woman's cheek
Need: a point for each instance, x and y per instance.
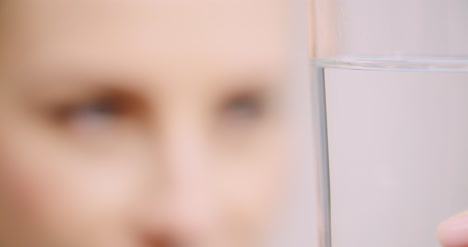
(30, 197)
(63, 195)
(27, 187)
(253, 183)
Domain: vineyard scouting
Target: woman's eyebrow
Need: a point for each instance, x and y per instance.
(73, 84)
(255, 81)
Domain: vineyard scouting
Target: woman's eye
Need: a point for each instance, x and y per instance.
(92, 114)
(97, 110)
(244, 108)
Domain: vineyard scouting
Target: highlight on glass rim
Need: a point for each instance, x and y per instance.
(232, 123)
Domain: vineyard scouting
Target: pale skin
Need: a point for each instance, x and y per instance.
(138, 123)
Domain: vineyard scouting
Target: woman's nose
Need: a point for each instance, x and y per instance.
(183, 208)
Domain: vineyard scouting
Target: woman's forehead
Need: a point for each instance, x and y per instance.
(164, 34)
(182, 25)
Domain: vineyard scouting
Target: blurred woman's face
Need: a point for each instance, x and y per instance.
(128, 123)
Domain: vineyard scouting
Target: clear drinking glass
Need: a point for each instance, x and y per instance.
(391, 90)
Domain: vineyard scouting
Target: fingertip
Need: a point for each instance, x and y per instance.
(454, 231)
